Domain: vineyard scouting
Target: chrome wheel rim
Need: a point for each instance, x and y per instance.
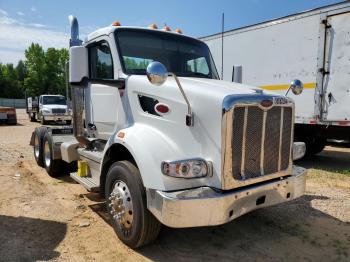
(121, 207)
(36, 147)
(47, 154)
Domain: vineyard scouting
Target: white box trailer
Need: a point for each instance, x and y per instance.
(313, 46)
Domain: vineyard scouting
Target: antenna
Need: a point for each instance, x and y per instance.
(222, 45)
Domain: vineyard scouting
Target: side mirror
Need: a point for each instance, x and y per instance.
(78, 65)
(296, 86)
(157, 73)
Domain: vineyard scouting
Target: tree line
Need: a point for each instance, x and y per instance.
(41, 72)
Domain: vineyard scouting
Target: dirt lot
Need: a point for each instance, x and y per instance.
(42, 218)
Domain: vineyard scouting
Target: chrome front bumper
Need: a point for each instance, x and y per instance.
(205, 207)
(57, 117)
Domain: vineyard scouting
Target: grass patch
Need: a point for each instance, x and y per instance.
(339, 178)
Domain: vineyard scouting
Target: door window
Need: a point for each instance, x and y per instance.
(101, 62)
(198, 66)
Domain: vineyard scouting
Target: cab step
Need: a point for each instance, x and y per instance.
(88, 182)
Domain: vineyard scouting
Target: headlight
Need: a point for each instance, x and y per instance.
(46, 111)
(190, 168)
(298, 150)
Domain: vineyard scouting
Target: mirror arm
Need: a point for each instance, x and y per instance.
(286, 94)
(189, 116)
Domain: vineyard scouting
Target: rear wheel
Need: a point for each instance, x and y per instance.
(43, 121)
(37, 148)
(54, 167)
(32, 117)
(126, 203)
(315, 145)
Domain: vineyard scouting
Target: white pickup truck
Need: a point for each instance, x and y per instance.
(180, 148)
(49, 108)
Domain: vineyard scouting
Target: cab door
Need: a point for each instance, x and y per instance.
(336, 81)
(103, 105)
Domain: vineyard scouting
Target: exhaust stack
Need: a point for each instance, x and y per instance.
(77, 91)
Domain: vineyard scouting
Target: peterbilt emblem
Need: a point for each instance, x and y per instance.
(266, 103)
(280, 100)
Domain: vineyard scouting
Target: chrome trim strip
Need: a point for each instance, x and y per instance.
(280, 144)
(243, 142)
(262, 150)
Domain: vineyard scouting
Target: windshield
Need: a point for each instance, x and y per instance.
(181, 55)
(54, 100)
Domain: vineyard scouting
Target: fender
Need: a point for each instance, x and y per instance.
(149, 147)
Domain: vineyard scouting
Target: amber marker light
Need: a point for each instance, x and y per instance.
(116, 23)
(153, 26)
(121, 135)
(178, 30)
(166, 28)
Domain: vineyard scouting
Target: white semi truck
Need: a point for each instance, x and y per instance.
(313, 46)
(48, 108)
(183, 149)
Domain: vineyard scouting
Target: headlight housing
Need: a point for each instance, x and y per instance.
(46, 111)
(299, 150)
(189, 168)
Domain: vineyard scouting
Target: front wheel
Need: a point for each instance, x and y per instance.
(126, 203)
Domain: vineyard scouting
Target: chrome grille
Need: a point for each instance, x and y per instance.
(58, 110)
(261, 140)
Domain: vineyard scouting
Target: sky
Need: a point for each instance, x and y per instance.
(46, 21)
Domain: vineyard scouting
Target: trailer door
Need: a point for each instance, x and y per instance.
(336, 80)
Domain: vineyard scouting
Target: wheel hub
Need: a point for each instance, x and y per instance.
(121, 204)
(36, 146)
(47, 154)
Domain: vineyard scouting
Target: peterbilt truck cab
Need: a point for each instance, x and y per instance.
(164, 140)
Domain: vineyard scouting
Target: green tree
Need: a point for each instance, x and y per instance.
(34, 82)
(45, 71)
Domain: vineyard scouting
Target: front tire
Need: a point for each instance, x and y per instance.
(54, 167)
(126, 203)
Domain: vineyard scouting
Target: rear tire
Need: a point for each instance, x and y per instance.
(126, 203)
(42, 121)
(54, 167)
(32, 118)
(38, 148)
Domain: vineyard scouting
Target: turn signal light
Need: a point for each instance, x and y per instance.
(116, 23)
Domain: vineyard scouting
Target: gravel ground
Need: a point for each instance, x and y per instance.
(42, 218)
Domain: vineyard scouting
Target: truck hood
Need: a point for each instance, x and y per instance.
(220, 87)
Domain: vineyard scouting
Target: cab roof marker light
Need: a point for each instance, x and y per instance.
(153, 26)
(166, 28)
(178, 30)
(116, 23)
